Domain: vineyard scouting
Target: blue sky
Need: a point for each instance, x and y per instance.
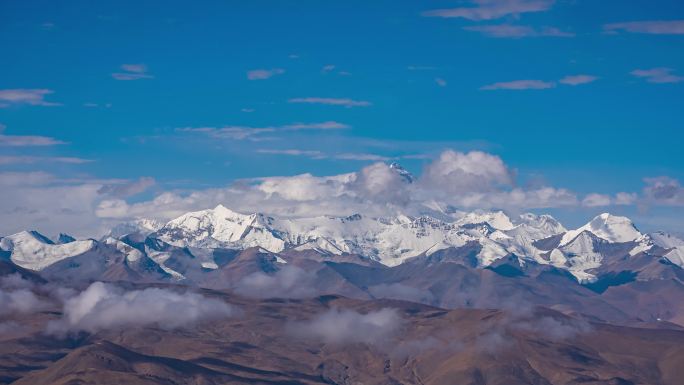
(582, 95)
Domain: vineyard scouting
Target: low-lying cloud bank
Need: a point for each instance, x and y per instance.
(20, 301)
(453, 181)
(288, 282)
(104, 306)
(343, 326)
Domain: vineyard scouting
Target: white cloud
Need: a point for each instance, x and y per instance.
(361, 157)
(657, 27)
(31, 97)
(472, 180)
(332, 101)
(663, 190)
(658, 75)
(527, 84)
(345, 326)
(594, 200)
(256, 134)
(288, 282)
(4, 160)
(127, 188)
(441, 82)
(294, 152)
(263, 74)
(517, 31)
(104, 306)
(574, 80)
(132, 72)
(456, 173)
(20, 301)
(492, 9)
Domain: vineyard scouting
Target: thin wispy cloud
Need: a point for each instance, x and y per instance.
(420, 68)
(316, 154)
(362, 157)
(6, 160)
(25, 96)
(26, 140)
(132, 72)
(332, 101)
(527, 84)
(329, 125)
(229, 132)
(658, 75)
(263, 74)
(655, 27)
(517, 31)
(492, 9)
(441, 82)
(294, 152)
(574, 80)
(256, 133)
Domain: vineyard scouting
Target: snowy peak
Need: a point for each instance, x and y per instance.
(609, 227)
(32, 250)
(545, 223)
(141, 226)
(665, 240)
(497, 219)
(405, 174)
(220, 226)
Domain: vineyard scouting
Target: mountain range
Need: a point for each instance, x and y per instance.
(606, 268)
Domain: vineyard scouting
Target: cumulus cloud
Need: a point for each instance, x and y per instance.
(456, 172)
(620, 199)
(25, 96)
(42, 201)
(517, 31)
(471, 180)
(656, 27)
(663, 190)
(263, 74)
(288, 282)
(380, 183)
(467, 180)
(594, 200)
(527, 84)
(492, 9)
(658, 75)
(103, 306)
(343, 326)
(345, 102)
(132, 72)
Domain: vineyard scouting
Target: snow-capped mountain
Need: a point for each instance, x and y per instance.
(388, 240)
(194, 241)
(609, 227)
(31, 250)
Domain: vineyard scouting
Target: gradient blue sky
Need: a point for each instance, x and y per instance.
(423, 83)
